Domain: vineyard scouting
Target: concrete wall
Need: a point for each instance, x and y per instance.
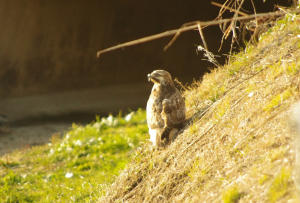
(50, 45)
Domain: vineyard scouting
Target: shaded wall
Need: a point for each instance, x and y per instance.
(50, 46)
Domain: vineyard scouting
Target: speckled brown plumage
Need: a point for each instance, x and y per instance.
(165, 108)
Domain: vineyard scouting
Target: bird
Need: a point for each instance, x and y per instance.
(165, 109)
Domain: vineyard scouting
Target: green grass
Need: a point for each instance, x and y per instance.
(277, 100)
(75, 168)
(232, 195)
(279, 186)
(263, 179)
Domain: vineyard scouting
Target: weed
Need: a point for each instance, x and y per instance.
(198, 169)
(223, 107)
(216, 92)
(232, 195)
(276, 154)
(293, 68)
(8, 164)
(235, 69)
(279, 186)
(277, 100)
(193, 129)
(264, 178)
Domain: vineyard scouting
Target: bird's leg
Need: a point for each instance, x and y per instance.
(165, 134)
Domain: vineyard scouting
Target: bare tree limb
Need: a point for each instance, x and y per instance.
(193, 27)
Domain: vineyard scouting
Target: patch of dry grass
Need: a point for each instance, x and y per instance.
(239, 139)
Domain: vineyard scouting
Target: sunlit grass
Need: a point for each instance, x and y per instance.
(279, 185)
(232, 195)
(277, 100)
(239, 135)
(75, 168)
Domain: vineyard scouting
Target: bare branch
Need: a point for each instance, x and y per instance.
(228, 8)
(178, 33)
(193, 27)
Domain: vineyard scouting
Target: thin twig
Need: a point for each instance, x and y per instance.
(191, 27)
(228, 8)
(254, 13)
(178, 33)
(235, 104)
(222, 10)
(202, 36)
(233, 27)
(198, 138)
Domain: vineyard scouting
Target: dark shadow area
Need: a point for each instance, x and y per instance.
(82, 118)
(50, 46)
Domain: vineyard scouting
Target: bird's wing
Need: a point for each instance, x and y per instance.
(173, 114)
(173, 109)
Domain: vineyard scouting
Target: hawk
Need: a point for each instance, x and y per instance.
(165, 108)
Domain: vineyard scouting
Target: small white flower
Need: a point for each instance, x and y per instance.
(52, 151)
(78, 143)
(67, 136)
(69, 175)
(69, 149)
(97, 125)
(129, 116)
(110, 119)
(116, 122)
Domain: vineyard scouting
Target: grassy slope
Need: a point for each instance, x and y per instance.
(239, 145)
(76, 168)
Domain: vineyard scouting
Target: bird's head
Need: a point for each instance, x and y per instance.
(160, 77)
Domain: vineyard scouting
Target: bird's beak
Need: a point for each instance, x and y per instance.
(149, 77)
